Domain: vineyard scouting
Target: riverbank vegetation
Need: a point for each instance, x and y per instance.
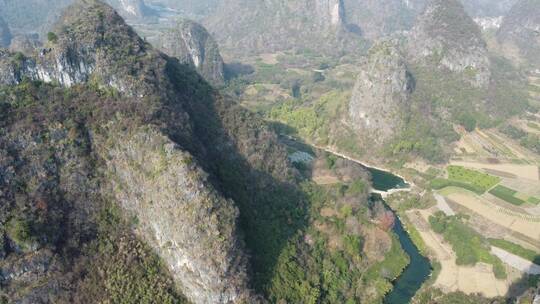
(348, 252)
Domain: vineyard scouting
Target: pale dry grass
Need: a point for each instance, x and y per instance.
(520, 223)
(529, 172)
(470, 280)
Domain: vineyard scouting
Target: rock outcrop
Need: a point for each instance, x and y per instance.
(131, 9)
(381, 95)
(244, 26)
(191, 43)
(5, 34)
(519, 33)
(75, 56)
(446, 37)
(180, 214)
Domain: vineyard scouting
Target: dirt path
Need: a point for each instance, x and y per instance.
(516, 262)
(443, 205)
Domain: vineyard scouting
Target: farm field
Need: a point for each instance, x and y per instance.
(507, 195)
(516, 249)
(493, 182)
(452, 277)
(488, 146)
(473, 177)
(526, 171)
(527, 225)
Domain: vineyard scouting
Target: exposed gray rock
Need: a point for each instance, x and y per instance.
(192, 44)
(381, 94)
(131, 9)
(27, 270)
(74, 57)
(519, 34)
(189, 224)
(446, 37)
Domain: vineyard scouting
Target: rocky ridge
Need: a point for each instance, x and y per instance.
(519, 33)
(446, 37)
(94, 47)
(131, 9)
(193, 45)
(381, 94)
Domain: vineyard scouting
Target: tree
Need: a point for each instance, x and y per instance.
(51, 37)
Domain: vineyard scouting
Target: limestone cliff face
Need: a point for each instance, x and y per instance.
(187, 222)
(244, 26)
(192, 44)
(77, 53)
(131, 9)
(520, 32)
(446, 37)
(5, 34)
(180, 214)
(381, 94)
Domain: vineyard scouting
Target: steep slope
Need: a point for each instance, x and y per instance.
(409, 105)
(111, 151)
(374, 19)
(446, 37)
(5, 34)
(192, 44)
(96, 47)
(381, 94)
(131, 9)
(519, 34)
(245, 27)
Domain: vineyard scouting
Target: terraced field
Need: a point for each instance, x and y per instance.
(493, 181)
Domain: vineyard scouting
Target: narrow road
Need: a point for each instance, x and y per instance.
(443, 205)
(516, 262)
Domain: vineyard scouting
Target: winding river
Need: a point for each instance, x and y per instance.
(419, 268)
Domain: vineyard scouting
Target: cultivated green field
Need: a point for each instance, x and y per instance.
(507, 195)
(473, 177)
(440, 183)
